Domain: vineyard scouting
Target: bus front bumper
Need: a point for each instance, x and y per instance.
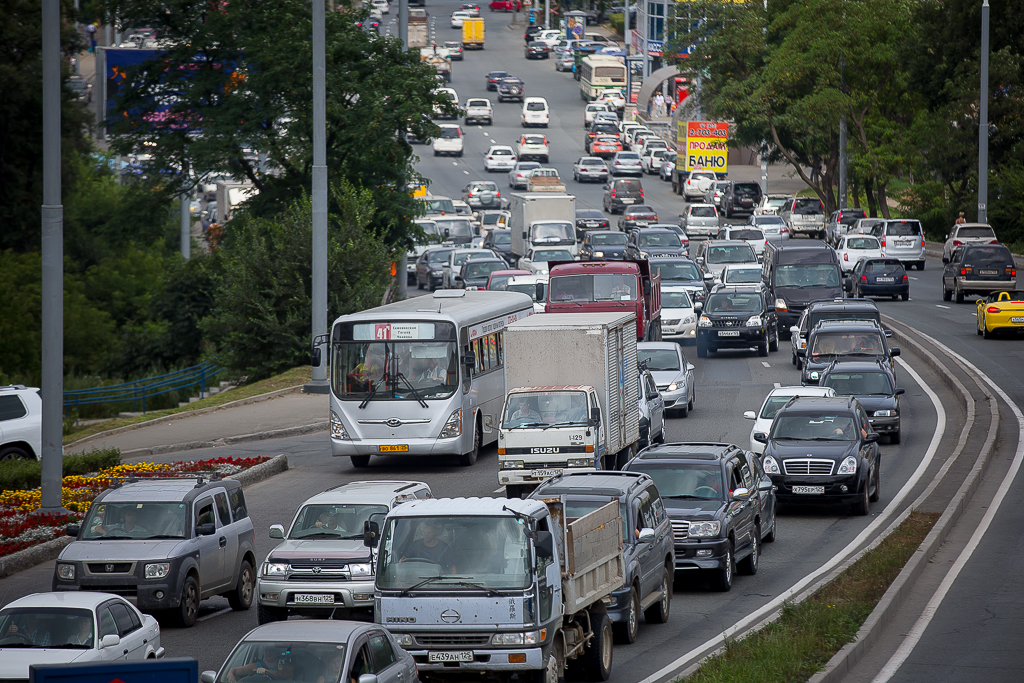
(400, 446)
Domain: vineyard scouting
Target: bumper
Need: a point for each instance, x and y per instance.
(524, 476)
(806, 229)
(284, 592)
(884, 289)
(695, 554)
(833, 494)
(682, 332)
(483, 660)
(694, 193)
(594, 176)
(747, 338)
(479, 117)
(628, 170)
(885, 425)
(674, 398)
(985, 286)
(788, 319)
(151, 596)
(701, 231)
(347, 447)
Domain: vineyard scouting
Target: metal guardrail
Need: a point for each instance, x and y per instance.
(140, 390)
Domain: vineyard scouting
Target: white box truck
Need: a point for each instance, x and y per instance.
(229, 196)
(543, 219)
(572, 400)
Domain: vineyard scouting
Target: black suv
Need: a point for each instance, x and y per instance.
(646, 540)
(511, 88)
(622, 192)
(978, 269)
(164, 544)
(721, 504)
(829, 309)
(832, 340)
(644, 243)
(822, 450)
(637, 216)
(739, 198)
(874, 385)
(737, 318)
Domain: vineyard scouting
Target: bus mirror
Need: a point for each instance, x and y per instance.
(469, 360)
(540, 292)
(314, 356)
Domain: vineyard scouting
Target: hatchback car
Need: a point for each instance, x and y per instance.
(672, 374)
(590, 169)
(644, 243)
(622, 192)
(968, 233)
(700, 220)
(637, 216)
(519, 176)
(625, 163)
(902, 239)
(21, 435)
(455, 50)
(878, 277)
(874, 385)
(773, 402)
(978, 269)
(535, 112)
(822, 451)
(450, 141)
(532, 147)
(855, 248)
(602, 245)
(605, 146)
(1001, 312)
(511, 88)
(678, 314)
(494, 77)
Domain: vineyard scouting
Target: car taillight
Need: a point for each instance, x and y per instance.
(994, 242)
(863, 278)
(957, 243)
(922, 240)
(964, 271)
(1012, 272)
(883, 241)
(641, 194)
(846, 257)
(497, 194)
(904, 276)
(613, 193)
(618, 163)
(993, 309)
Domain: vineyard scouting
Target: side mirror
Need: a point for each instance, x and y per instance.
(709, 277)
(540, 292)
(801, 352)
(545, 545)
(524, 234)
(314, 357)
(72, 530)
(760, 437)
(595, 416)
(110, 640)
(741, 494)
(749, 415)
(208, 677)
(872, 437)
(888, 334)
(765, 484)
(276, 531)
(469, 362)
(368, 678)
(208, 529)
(698, 306)
(446, 232)
(945, 260)
(646, 535)
(371, 533)
(794, 330)
(699, 260)
(899, 392)
(847, 285)
(894, 351)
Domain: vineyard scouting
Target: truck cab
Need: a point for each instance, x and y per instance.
(608, 286)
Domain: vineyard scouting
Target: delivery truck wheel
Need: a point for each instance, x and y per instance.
(596, 660)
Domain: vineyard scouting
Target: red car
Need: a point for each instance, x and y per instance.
(605, 146)
(502, 6)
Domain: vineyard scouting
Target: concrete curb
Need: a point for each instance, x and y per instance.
(226, 441)
(44, 552)
(851, 653)
(258, 398)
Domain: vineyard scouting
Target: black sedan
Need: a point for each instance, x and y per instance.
(874, 385)
(494, 77)
(590, 219)
(637, 216)
(475, 272)
(602, 245)
(878, 277)
(737, 318)
(535, 49)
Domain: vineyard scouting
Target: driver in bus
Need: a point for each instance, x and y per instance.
(371, 369)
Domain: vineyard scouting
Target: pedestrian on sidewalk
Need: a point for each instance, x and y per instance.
(659, 105)
(91, 30)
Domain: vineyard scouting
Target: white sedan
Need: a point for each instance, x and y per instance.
(65, 628)
(459, 17)
(855, 248)
(777, 398)
(678, 315)
(533, 147)
(381, 5)
(499, 158)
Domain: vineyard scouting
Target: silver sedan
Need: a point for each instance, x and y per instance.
(589, 168)
(519, 176)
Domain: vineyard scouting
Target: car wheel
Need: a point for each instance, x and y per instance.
(240, 599)
(946, 294)
(595, 664)
(721, 579)
(762, 349)
(658, 612)
(920, 265)
(693, 397)
(793, 359)
(360, 461)
(188, 609)
(749, 564)
(905, 297)
(773, 343)
(876, 493)
(684, 411)
(863, 506)
(468, 459)
(770, 536)
(894, 437)
(702, 351)
(14, 453)
(267, 615)
(958, 295)
(625, 631)
(984, 333)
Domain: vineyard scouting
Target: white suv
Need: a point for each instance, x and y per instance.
(697, 184)
(479, 109)
(450, 140)
(21, 423)
(499, 158)
(535, 112)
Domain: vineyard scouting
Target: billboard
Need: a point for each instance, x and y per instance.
(176, 670)
(707, 145)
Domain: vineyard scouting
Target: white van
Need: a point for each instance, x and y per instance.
(535, 112)
(450, 141)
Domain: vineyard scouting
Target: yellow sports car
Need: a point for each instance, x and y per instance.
(1001, 311)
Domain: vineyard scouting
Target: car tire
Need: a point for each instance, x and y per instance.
(721, 579)
(188, 609)
(877, 493)
(770, 536)
(702, 351)
(895, 437)
(513, 491)
(762, 349)
(240, 598)
(469, 459)
(920, 265)
(958, 295)
(14, 453)
(863, 506)
(905, 297)
(360, 461)
(946, 294)
(659, 611)
(684, 411)
(595, 664)
(984, 333)
(749, 563)
(773, 343)
(793, 359)
(626, 631)
(267, 615)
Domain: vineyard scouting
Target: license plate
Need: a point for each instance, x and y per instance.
(313, 599)
(547, 474)
(813, 490)
(628, 201)
(988, 272)
(400, 448)
(728, 333)
(1017, 319)
(460, 656)
(904, 243)
(885, 279)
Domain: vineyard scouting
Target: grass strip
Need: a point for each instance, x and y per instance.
(27, 474)
(808, 634)
(288, 378)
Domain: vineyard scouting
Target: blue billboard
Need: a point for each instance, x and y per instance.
(176, 670)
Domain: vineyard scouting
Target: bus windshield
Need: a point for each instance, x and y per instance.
(403, 370)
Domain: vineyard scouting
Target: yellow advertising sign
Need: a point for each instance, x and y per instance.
(707, 146)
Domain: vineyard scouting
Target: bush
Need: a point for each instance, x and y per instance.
(27, 474)
(617, 22)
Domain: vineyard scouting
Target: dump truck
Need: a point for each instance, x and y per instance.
(417, 28)
(608, 286)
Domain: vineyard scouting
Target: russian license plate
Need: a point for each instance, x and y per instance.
(813, 490)
(1017, 319)
(728, 333)
(313, 598)
(885, 279)
(459, 656)
(988, 272)
(546, 474)
(398, 448)
(904, 243)
(628, 201)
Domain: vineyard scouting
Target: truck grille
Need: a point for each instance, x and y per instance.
(343, 564)
(453, 640)
(109, 567)
(309, 576)
(808, 467)
(727, 322)
(680, 530)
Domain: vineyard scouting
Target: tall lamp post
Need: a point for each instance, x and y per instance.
(983, 122)
(318, 297)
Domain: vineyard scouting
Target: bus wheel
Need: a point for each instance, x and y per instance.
(468, 459)
(360, 460)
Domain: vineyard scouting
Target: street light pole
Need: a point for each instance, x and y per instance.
(983, 121)
(318, 297)
(403, 23)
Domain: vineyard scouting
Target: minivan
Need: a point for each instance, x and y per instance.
(622, 192)
(902, 239)
(797, 273)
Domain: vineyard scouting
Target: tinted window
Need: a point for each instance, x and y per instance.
(108, 627)
(746, 189)
(816, 318)
(448, 133)
(903, 228)
(703, 211)
(807, 276)
(677, 271)
(858, 383)
(747, 235)
(734, 253)
(238, 509)
(633, 185)
(223, 512)
(807, 206)
(975, 232)
(880, 267)
(122, 619)
(502, 238)
(994, 255)
(383, 655)
(660, 239)
(11, 408)
(608, 239)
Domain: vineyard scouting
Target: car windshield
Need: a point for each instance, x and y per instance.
(134, 520)
(862, 243)
(903, 229)
(602, 287)
(847, 343)
(677, 272)
(476, 271)
(746, 234)
(456, 227)
(685, 479)
(291, 662)
(733, 302)
(334, 521)
(814, 427)
(660, 239)
(551, 255)
(773, 405)
(815, 275)
(858, 383)
(608, 239)
(439, 256)
(461, 257)
(534, 291)
(703, 212)
(808, 207)
(52, 627)
(439, 205)
(454, 553)
(733, 253)
(675, 300)
(976, 232)
(418, 368)
(742, 275)
(545, 408)
(554, 232)
(887, 267)
(988, 256)
(502, 238)
(659, 360)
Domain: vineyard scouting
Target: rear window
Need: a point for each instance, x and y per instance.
(903, 228)
(536, 106)
(849, 217)
(703, 211)
(808, 207)
(976, 232)
(883, 267)
(627, 155)
(633, 185)
(997, 254)
(746, 235)
(601, 127)
(451, 133)
(477, 103)
(815, 318)
(746, 189)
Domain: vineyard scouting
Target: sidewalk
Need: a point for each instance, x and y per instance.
(287, 415)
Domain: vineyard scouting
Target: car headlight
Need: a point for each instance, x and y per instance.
(453, 427)
(359, 570)
(814, 375)
(885, 413)
(405, 639)
(770, 465)
(705, 529)
(580, 462)
(157, 570)
(704, 321)
(644, 254)
(598, 253)
(337, 428)
(274, 569)
(672, 387)
(689, 319)
(543, 271)
(848, 466)
(780, 305)
(513, 465)
(66, 571)
(754, 321)
(528, 638)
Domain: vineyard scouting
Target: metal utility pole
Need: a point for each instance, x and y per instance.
(764, 169)
(625, 27)
(51, 502)
(983, 122)
(547, 14)
(319, 385)
(186, 220)
(403, 22)
(843, 160)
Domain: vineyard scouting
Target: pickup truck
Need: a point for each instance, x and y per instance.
(491, 588)
(545, 180)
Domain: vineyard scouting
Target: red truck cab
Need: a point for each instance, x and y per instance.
(606, 287)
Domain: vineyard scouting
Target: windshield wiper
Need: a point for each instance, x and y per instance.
(565, 424)
(320, 534)
(412, 389)
(428, 579)
(531, 424)
(373, 390)
(491, 593)
(160, 537)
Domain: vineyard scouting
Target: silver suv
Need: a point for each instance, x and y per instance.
(322, 565)
(165, 545)
(902, 239)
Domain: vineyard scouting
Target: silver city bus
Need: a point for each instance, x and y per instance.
(424, 376)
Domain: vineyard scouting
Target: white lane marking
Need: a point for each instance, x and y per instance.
(765, 363)
(912, 277)
(455, 163)
(466, 172)
(915, 634)
(500, 490)
(941, 306)
(493, 141)
(975, 314)
(778, 385)
(759, 614)
(215, 614)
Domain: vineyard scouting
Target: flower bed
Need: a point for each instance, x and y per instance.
(19, 529)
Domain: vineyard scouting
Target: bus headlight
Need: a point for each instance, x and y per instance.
(337, 428)
(453, 427)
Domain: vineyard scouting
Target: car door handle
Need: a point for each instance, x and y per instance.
(223, 542)
(126, 652)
